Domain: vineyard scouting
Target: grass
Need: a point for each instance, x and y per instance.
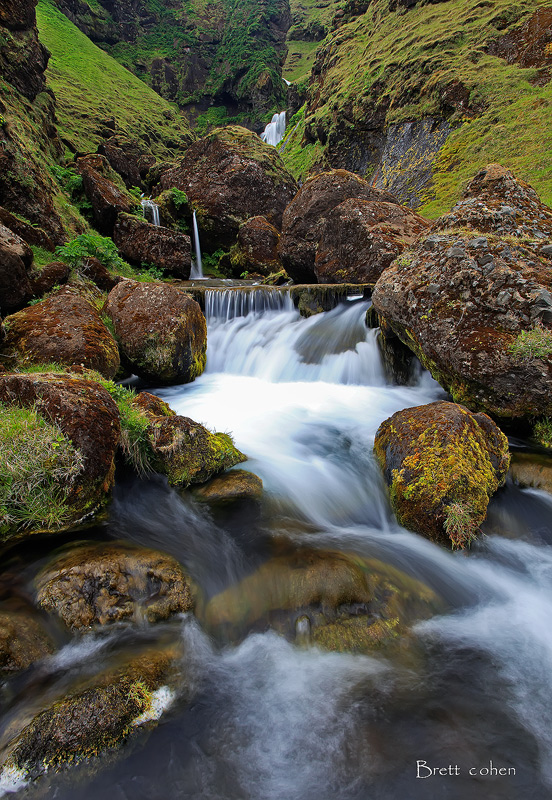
(460, 526)
(38, 468)
(531, 344)
(134, 440)
(542, 432)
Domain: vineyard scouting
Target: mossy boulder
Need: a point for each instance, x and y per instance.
(160, 329)
(23, 640)
(83, 412)
(128, 158)
(105, 191)
(44, 279)
(15, 260)
(141, 242)
(99, 584)
(229, 176)
(235, 486)
(63, 329)
(256, 249)
(473, 299)
(183, 450)
(442, 465)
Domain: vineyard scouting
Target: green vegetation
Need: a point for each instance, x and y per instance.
(38, 469)
(89, 245)
(134, 440)
(542, 432)
(534, 343)
(460, 525)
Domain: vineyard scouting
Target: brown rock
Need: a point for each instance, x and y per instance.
(532, 470)
(44, 280)
(229, 176)
(464, 297)
(360, 238)
(23, 641)
(127, 158)
(160, 329)
(29, 233)
(442, 464)
(529, 45)
(63, 329)
(257, 248)
(99, 584)
(15, 259)
(86, 414)
(93, 269)
(23, 59)
(233, 486)
(141, 242)
(100, 185)
(305, 216)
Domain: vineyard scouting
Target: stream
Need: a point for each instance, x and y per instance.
(265, 717)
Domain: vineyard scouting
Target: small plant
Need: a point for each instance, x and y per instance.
(179, 198)
(139, 694)
(459, 525)
(151, 272)
(68, 179)
(534, 343)
(542, 432)
(134, 428)
(87, 245)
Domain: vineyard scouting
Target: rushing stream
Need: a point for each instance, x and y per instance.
(270, 719)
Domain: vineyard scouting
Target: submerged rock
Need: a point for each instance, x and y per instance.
(23, 640)
(160, 329)
(442, 465)
(99, 584)
(532, 470)
(473, 300)
(141, 242)
(63, 329)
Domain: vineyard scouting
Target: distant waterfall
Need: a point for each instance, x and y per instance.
(153, 209)
(196, 272)
(274, 131)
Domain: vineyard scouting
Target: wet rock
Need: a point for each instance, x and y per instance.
(160, 329)
(442, 464)
(15, 260)
(234, 486)
(141, 242)
(256, 249)
(305, 216)
(360, 238)
(84, 411)
(100, 584)
(101, 187)
(45, 279)
(23, 641)
(464, 297)
(230, 176)
(532, 470)
(63, 329)
(182, 449)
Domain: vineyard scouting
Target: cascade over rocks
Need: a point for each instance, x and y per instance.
(305, 217)
(229, 176)
(140, 241)
(442, 465)
(64, 329)
(465, 297)
(15, 260)
(99, 182)
(360, 238)
(86, 414)
(99, 584)
(256, 249)
(160, 329)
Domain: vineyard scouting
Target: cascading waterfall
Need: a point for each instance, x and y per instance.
(222, 305)
(196, 272)
(275, 130)
(149, 206)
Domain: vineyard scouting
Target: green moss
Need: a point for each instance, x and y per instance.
(542, 432)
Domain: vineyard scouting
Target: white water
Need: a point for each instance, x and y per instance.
(196, 273)
(153, 209)
(275, 130)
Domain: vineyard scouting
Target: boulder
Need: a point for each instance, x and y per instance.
(15, 260)
(182, 449)
(23, 59)
(256, 249)
(360, 238)
(235, 486)
(141, 242)
(63, 329)
(98, 584)
(45, 278)
(229, 176)
(84, 413)
(304, 217)
(30, 234)
(127, 158)
(442, 464)
(473, 298)
(23, 641)
(101, 186)
(93, 270)
(160, 329)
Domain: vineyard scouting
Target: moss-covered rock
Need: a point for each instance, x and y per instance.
(256, 249)
(442, 464)
(235, 486)
(63, 329)
(160, 329)
(23, 640)
(141, 242)
(105, 191)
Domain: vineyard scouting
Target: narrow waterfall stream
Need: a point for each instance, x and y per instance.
(469, 689)
(196, 272)
(151, 209)
(275, 130)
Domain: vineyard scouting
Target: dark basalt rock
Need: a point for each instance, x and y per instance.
(15, 260)
(140, 241)
(107, 198)
(256, 249)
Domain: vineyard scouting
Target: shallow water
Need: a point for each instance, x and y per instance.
(270, 719)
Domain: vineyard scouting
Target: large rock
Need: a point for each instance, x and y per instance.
(15, 260)
(256, 249)
(360, 238)
(127, 158)
(304, 218)
(99, 584)
(160, 329)
(44, 279)
(229, 176)
(466, 297)
(141, 242)
(182, 449)
(23, 640)
(85, 413)
(442, 464)
(63, 329)
(100, 184)
(30, 234)
(23, 59)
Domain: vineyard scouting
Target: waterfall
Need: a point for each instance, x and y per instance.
(196, 273)
(222, 305)
(153, 208)
(274, 131)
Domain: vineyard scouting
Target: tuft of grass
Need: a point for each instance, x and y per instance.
(542, 432)
(134, 440)
(38, 470)
(459, 525)
(534, 343)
